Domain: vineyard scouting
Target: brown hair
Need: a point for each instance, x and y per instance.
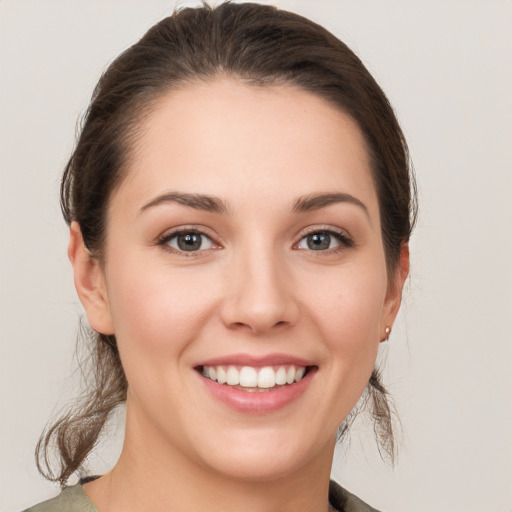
(259, 45)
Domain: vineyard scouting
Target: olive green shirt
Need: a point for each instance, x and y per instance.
(74, 499)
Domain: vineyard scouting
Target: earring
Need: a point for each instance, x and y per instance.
(387, 331)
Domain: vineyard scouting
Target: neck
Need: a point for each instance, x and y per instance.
(152, 476)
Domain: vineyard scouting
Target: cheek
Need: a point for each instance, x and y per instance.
(348, 313)
(354, 301)
(157, 311)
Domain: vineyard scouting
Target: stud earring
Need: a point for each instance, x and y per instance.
(387, 332)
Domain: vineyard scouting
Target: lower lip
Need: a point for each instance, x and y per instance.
(258, 402)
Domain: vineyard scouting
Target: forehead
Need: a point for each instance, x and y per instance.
(242, 142)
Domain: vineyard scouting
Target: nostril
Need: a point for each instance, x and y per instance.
(239, 325)
(256, 326)
(259, 303)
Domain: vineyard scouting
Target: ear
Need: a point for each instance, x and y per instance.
(394, 292)
(89, 282)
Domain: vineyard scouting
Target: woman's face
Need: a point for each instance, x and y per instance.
(245, 243)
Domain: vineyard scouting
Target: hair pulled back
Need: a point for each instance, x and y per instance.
(257, 44)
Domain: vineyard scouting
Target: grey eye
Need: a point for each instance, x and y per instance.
(190, 241)
(319, 241)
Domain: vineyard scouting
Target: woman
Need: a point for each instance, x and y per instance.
(240, 206)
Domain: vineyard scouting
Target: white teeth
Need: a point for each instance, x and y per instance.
(221, 375)
(266, 378)
(281, 376)
(232, 376)
(250, 377)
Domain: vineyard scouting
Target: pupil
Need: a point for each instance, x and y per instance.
(189, 242)
(319, 241)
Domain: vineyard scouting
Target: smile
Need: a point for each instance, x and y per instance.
(256, 385)
(254, 379)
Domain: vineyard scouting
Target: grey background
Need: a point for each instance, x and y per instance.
(446, 67)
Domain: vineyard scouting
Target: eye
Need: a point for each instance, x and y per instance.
(323, 240)
(187, 241)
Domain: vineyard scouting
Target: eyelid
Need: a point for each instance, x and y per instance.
(345, 239)
(163, 240)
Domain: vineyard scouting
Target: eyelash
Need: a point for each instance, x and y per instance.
(344, 240)
(165, 239)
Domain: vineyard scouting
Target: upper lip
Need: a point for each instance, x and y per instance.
(256, 361)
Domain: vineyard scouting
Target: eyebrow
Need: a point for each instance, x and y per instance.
(213, 204)
(196, 201)
(316, 201)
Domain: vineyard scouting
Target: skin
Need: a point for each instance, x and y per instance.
(256, 288)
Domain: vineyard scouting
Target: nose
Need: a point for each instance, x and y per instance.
(260, 295)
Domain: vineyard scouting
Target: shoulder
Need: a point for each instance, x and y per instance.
(345, 501)
(74, 499)
(71, 499)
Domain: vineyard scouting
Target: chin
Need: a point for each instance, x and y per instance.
(266, 455)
